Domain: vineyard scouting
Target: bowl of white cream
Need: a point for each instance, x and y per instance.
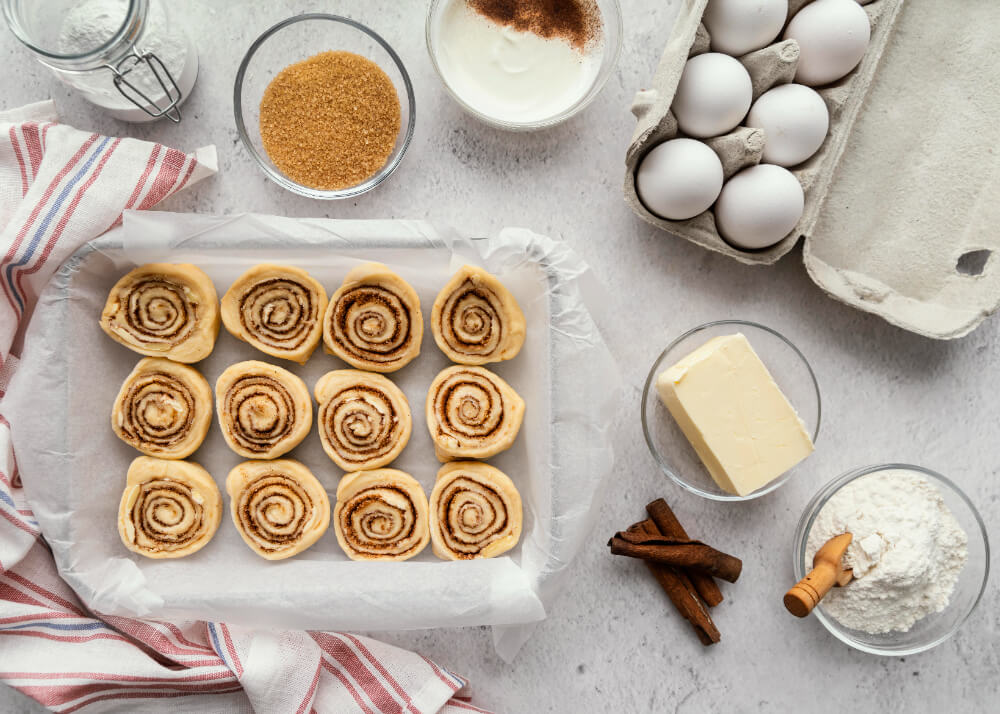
(521, 64)
(919, 553)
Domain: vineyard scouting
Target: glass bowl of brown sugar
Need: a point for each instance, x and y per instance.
(324, 106)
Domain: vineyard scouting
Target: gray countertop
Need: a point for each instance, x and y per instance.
(612, 643)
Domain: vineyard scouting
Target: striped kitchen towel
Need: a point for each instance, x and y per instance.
(60, 187)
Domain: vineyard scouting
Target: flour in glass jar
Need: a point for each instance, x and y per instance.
(89, 24)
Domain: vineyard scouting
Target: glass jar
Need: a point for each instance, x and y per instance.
(125, 56)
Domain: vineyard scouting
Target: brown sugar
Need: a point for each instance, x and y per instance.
(331, 121)
(576, 21)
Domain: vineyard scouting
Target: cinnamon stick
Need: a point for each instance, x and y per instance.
(666, 522)
(682, 593)
(678, 553)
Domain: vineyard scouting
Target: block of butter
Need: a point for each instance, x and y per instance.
(736, 418)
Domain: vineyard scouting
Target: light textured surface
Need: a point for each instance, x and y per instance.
(613, 643)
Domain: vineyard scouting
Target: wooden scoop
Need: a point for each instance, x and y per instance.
(828, 570)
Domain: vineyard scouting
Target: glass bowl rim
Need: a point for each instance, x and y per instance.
(811, 512)
(280, 178)
(595, 89)
(658, 457)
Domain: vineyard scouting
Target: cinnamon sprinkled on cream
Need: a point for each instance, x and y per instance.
(576, 21)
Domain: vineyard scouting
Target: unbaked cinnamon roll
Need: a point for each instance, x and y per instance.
(164, 310)
(163, 409)
(169, 508)
(364, 419)
(277, 309)
(381, 515)
(264, 411)
(472, 413)
(475, 319)
(373, 321)
(475, 512)
(279, 507)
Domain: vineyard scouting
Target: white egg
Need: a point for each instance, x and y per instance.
(740, 26)
(795, 121)
(679, 179)
(759, 206)
(713, 95)
(833, 36)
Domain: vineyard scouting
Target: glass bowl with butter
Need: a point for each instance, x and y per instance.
(730, 409)
(524, 66)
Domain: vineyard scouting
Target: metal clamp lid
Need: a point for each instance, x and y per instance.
(172, 93)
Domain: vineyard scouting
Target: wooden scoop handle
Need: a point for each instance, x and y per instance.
(828, 570)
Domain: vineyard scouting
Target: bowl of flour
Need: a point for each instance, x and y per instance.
(920, 557)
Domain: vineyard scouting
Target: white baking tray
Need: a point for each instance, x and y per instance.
(74, 466)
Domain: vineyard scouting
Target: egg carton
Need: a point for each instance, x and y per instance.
(901, 217)
(773, 65)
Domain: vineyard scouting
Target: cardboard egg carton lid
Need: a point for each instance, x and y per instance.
(901, 216)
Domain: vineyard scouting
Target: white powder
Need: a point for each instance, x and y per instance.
(91, 23)
(907, 552)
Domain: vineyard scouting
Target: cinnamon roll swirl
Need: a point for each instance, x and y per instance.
(264, 410)
(475, 319)
(163, 409)
(475, 512)
(169, 508)
(381, 515)
(277, 309)
(279, 507)
(472, 413)
(364, 419)
(164, 310)
(373, 321)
